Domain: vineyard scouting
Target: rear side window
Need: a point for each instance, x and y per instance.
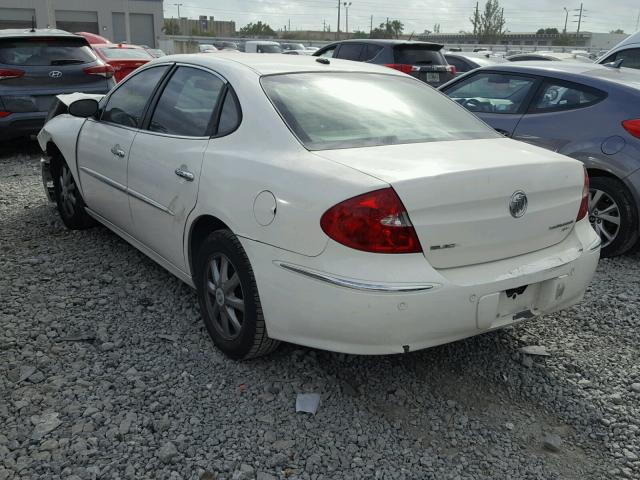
(187, 103)
(418, 55)
(350, 51)
(349, 110)
(229, 115)
(125, 54)
(492, 92)
(43, 51)
(461, 65)
(370, 52)
(556, 96)
(126, 105)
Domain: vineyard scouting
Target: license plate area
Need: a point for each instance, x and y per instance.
(433, 77)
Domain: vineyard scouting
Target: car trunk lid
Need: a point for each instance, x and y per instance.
(458, 195)
(426, 61)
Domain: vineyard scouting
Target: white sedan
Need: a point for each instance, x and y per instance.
(333, 204)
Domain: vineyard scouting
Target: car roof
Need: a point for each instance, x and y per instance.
(575, 71)
(271, 64)
(384, 41)
(261, 42)
(39, 32)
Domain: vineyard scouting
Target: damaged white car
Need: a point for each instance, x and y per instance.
(338, 205)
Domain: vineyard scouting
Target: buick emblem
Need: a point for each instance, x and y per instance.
(55, 74)
(518, 204)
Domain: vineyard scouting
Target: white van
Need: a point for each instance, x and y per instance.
(262, 46)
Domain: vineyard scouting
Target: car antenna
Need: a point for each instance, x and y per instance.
(411, 36)
(33, 23)
(322, 60)
(616, 64)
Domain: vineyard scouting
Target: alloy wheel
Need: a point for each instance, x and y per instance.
(67, 192)
(604, 215)
(224, 297)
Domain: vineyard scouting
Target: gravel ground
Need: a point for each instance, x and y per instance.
(107, 372)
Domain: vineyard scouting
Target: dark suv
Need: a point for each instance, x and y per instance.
(37, 65)
(422, 60)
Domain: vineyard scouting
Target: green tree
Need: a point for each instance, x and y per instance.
(359, 34)
(257, 29)
(619, 30)
(489, 26)
(171, 27)
(392, 29)
(548, 31)
(565, 40)
(397, 27)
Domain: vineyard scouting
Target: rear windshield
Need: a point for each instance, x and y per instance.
(418, 55)
(348, 110)
(115, 53)
(41, 51)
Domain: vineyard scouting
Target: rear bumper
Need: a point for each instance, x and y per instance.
(21, 124)
(407, 305)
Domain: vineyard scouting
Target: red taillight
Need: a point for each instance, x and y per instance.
(105, 71)
(4, 114)
(401, 67)
(452, 69)
(7, 73)
(584, 205)
(374, 222)
(633, 127)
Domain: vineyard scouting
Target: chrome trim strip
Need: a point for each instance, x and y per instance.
(149, 201)
(356, 284)
(103, 179)
(128, 191)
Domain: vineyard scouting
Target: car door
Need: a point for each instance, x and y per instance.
(498, 98)
(166, 159)
(556, 107)
(104, 144)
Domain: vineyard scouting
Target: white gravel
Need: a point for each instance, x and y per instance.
(107, 372)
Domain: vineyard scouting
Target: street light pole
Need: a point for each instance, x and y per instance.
(338, 30)
(178, 5)
(346, 8)
(566, 18)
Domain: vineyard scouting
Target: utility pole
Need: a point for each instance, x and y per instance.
(566, 18)
(346, 8)
(178, 5)
(289, 29)
(579, 24)
(475, 19)
(371, 26)
(338, 30)
(324, 25)
(638, 21)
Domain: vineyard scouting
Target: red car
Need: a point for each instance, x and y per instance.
(123, 58)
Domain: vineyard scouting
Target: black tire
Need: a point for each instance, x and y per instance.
(627, 233)
(250, 340)
(71, 206)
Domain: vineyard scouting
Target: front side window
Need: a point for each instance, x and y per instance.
(348, 110)
(328, 53)
(265, 48)
(560, 96)
(187, 103)
(492, 92)
(127, 104)
(631, 58)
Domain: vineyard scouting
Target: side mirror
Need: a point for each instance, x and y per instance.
(84, 108)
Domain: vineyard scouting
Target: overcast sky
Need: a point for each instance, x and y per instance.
(453, 15)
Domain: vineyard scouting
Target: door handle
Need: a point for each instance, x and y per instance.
(186, 174)
(118, 151)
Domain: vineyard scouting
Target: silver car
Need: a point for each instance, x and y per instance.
(585, 111)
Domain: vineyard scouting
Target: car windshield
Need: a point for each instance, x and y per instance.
(117, 53)
(348, 110)
(294, 46)
(40, 51)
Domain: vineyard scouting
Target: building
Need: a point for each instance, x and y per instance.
(206, 26)
(531, 41)
(133, 21)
